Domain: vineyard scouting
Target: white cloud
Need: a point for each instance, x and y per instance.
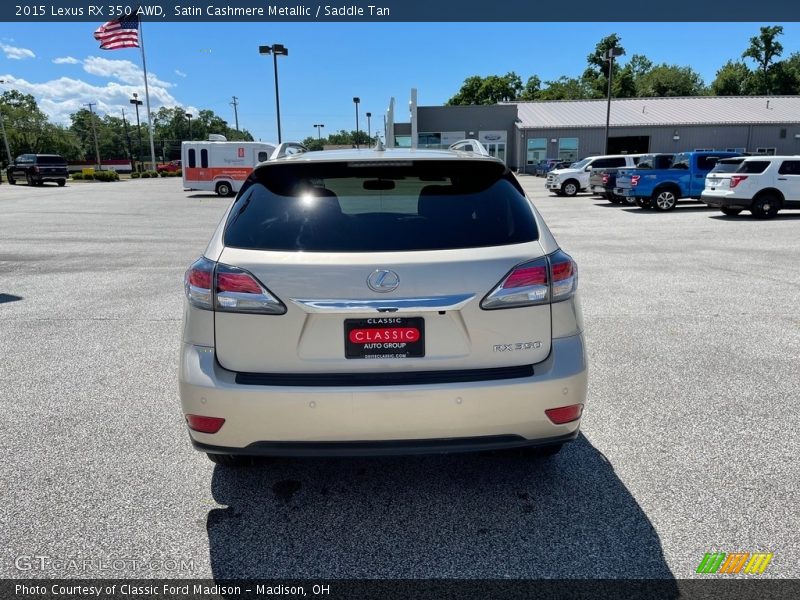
(180, 73)
(66, 60)
(122, 70)
(16, 53)
(58, 98)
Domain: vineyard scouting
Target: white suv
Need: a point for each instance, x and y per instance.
(381, 301)
(762, 184)
(568, 182)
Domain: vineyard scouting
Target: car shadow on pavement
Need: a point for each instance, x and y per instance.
(751, 219)
(9, 298)
(489, 515)
(687, 209)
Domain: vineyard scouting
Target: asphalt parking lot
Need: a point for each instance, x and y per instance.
(689, 439)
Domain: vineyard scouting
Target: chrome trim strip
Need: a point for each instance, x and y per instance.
(429, 304)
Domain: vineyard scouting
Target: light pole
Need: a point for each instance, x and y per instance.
(369, 127)
(275, 50)
(612, 52)
(189, 116)
(137, 103)
(356, 101)
(319, 127)
(5, 137)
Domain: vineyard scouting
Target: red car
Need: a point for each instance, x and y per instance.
(173, 165)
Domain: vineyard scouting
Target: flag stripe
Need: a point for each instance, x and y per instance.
(117, 34)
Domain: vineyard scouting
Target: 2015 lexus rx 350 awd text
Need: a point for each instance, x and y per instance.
(381, 302)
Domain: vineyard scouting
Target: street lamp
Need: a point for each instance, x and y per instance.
(612, 52)
(319, 128)
(275, 50)
(3, 128)
(189, 116)
(369, 127)
(356, 101)
(137, 103)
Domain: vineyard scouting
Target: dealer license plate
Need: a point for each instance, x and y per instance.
(384, 337)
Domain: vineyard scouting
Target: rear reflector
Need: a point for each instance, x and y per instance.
(204, 424)
(564, 414)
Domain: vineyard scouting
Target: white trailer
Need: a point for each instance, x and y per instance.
(220, 166)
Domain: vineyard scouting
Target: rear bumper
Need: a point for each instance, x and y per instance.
(397, 419)
(726, 201)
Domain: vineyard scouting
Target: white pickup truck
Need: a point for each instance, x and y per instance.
(568, 182)
(762, 184)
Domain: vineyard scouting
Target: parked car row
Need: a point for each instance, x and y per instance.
(730, 181)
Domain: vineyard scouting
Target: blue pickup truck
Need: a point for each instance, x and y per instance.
(662, 188)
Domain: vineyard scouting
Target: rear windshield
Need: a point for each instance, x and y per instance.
(50, 160)
(727, 165)
(753, 166)
(655, 161)
(380, 207)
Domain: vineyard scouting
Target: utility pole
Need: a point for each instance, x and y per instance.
(94, 131)
(5, 137)
(128, 138)
(137, 103)
(235, 105)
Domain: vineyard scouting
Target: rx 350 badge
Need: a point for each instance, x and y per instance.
(516, 347)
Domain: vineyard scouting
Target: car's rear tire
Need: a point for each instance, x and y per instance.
(766, 206)
(28, 179)
(62, 182)
(643, 203)
(11, 180)
(570, 187)
(664, 199)
(224, 188)
(613, 198)
(731, 212)
(230, 460)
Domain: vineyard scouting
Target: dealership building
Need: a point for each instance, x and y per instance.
(523, 133)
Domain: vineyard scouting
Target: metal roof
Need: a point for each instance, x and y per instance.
(697, 110)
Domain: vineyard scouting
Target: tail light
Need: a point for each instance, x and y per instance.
(635, 180)
(605, 178)
(214, 286)
(204, 424)
(737, 179)
(564, 414)
(549, 279)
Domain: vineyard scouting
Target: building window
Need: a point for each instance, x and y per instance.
(767, 151)
(568, 149)
(537, 150)
(429, 140)
(739, 150)
(402, 141)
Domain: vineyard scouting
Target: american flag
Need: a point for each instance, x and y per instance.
(120, 33)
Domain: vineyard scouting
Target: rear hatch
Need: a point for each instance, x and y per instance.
(381, 267)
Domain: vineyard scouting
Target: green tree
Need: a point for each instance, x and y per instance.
(732, 79)
(566, 88)
(532, 90)
(488, 90)
(27, 127)
(764, 49)
(670, 80)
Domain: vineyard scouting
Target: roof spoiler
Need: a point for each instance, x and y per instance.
(288, 149)
(470, 145)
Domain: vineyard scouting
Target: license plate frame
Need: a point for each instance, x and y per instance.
(384, 337)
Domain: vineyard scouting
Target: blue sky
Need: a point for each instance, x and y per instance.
(202, 65)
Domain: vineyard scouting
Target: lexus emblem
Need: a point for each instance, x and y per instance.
(383, 280)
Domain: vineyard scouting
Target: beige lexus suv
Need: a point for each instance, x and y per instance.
(381, 302)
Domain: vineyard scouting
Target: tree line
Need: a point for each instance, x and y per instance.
(759, 71)
(29, 130)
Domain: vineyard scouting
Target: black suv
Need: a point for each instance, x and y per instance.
(38, 168)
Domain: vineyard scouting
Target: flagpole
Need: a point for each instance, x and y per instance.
(147, 97)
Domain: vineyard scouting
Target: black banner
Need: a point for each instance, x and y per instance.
(339, 589)
(400, 11)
